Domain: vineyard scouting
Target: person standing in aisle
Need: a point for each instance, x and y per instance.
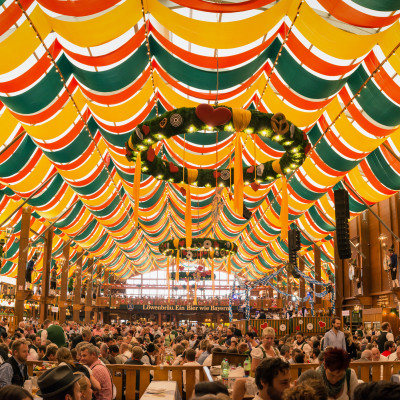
(335, 337)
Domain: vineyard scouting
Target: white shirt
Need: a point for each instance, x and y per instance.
(304, 346)
(257, 353)
(393, 357)
(208, 361)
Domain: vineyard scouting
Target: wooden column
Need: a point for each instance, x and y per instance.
(106, 279)
(88, 299)
(317, 263)
(302, 288)
(338, 280)
(64, 284)
(77, 290)
(289, 285)
(22, 260)
(45, 284)
(365, 249)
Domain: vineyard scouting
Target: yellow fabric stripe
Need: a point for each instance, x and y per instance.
(102, 28)
(225, 35)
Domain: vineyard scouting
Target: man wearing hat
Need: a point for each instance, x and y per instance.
(59, 384)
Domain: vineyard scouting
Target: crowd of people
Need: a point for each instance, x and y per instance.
(78, 356)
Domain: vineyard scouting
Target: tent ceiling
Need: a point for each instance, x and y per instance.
(76, 78)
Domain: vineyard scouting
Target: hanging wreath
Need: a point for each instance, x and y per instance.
(187, 120)
(201, 248)
(291, 270)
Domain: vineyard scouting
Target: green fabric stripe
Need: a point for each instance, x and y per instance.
(373, 101)
(379, 5)
(18, 160)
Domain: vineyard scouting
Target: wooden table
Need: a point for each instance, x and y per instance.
(165, 390)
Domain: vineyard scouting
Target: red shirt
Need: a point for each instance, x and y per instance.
(386, 353)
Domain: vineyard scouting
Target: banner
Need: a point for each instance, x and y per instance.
(173, 307)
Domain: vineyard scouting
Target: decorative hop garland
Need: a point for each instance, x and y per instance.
(201, 248)
(187, 120)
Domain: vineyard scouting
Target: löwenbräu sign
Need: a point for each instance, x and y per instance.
(166, 307)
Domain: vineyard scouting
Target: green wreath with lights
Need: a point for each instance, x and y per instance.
(186, 120)
(203, 248)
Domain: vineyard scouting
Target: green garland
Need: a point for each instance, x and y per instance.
(184, 120)
(201, 248)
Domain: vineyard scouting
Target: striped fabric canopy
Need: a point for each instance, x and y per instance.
(77, 77)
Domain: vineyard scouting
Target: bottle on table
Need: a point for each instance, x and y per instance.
(225, 372)
(247, 367)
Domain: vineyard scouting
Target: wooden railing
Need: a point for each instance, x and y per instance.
(124, 376)
(366, 371)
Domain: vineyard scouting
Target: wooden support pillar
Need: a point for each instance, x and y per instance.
(64, 284)
(302, 288)
(106, 279)
(45, 285)
(77, 289)
(339, 280)
(317, 263)
(88, 299)
(22, 260)
(289, 285)
(278, 281)
(365, 249)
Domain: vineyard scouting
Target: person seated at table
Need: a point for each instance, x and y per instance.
(13, 392)
(64, 357)
(85, 387)
(377, 390)
(300, 392)
(137, 355)
(190, 360)
(51, 352)
(59, 384)
(208, 361)
(210, 388)
(243, 348)
(265, 350)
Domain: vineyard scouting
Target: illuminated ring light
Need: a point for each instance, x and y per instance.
(203, 248)
(188, 120)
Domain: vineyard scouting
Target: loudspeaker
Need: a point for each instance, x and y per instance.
(294, 245)
(342, 210)
(342, 215)
(343, 239)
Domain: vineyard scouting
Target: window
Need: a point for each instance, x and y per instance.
(154, 284)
